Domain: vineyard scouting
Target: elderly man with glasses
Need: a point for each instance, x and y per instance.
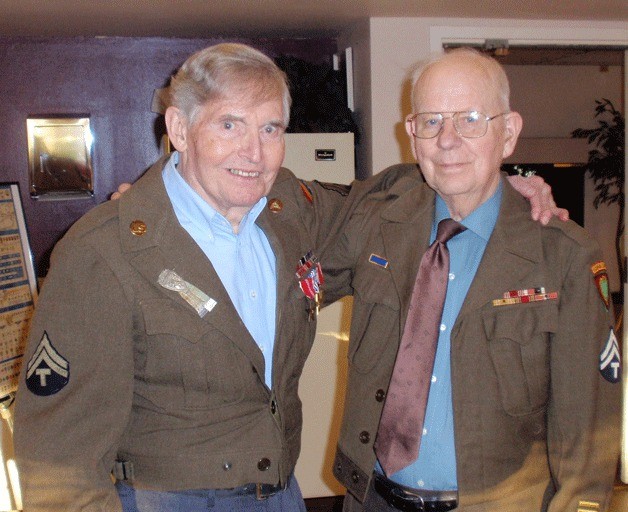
(501, 394)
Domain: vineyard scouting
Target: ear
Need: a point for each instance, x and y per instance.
(514, 124)
(411, 137)
(177, 126)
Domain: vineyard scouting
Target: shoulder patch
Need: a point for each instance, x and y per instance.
(306, 192)
(610, 360)
(600, 277)
(47, 371)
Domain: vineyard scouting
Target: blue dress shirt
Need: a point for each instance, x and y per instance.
(435, 469)
(245, 261)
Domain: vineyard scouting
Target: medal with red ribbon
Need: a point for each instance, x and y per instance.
(310, 275)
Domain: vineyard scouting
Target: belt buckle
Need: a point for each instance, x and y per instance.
(259, 495)
(265, 491)
(403, 501)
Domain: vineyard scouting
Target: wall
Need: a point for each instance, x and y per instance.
(554, 100)
(112, 80)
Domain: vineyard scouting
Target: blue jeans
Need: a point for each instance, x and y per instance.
(207, 500)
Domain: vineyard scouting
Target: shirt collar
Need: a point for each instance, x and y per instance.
(480, 221)
(192, 209)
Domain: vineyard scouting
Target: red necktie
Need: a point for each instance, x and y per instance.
(401, 424)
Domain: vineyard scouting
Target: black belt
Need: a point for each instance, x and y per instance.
(411, 500)
(260, 491)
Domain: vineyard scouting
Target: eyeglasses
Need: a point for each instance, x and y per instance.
(469, 124)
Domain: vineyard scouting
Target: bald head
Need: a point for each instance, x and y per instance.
(487, 69)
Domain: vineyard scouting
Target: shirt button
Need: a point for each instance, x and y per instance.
(226, 466)
(420, 483)
(434, 379)
(443, 327)
(253, 294)
(424, 431)
(452, 276)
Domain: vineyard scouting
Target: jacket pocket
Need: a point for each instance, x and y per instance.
(188, 363)
(375, 319)
(519, 340)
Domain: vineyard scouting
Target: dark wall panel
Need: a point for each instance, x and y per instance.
(112, 80)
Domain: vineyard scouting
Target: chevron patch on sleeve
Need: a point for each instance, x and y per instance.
(610, 360)
(47, 371)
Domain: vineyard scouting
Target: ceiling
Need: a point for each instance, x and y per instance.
(295, 18)
(265, 18)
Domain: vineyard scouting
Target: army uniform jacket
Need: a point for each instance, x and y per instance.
(536, 424)
(147, 379)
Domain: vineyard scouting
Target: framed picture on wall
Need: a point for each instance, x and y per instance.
(60, 157)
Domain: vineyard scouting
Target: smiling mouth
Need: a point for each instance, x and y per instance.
(244, 174)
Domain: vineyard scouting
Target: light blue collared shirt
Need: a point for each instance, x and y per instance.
(245, 261)
(435, 469)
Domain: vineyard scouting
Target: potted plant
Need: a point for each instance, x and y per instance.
(606, 167)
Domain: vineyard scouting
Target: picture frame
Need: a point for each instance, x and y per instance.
(18, 286)
(60, 157)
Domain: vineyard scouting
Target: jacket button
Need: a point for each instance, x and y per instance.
(263, 464)
(226, 466)
(355, 477)
(380, 395)
(138, 227)
(273, 406)
(365, 437)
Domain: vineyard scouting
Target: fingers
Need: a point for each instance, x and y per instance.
(542, 204)
(121, 190)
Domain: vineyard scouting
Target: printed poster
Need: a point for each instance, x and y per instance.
(18, 289)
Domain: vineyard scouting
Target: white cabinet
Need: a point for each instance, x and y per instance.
(325, 157)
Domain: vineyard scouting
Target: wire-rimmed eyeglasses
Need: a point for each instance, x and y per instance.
(470, 124)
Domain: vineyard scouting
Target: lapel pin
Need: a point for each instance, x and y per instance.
(378, 260)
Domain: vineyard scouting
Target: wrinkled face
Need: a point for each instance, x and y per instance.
(231, 152)
(458, 168)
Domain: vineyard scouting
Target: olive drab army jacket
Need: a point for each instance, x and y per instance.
(536, 393)
(123, 375)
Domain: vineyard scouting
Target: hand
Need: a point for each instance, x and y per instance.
(121, 190)
(539, 193)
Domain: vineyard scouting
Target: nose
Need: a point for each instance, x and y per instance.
(251, 146)
(448, 136)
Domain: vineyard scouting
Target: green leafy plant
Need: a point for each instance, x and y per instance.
(606, 166)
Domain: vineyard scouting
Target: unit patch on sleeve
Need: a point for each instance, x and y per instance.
(47, 371)
(610, 360)
(601, 280)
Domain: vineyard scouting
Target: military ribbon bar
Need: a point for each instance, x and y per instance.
(525, 299)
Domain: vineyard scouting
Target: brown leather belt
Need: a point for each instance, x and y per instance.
(412, 500)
